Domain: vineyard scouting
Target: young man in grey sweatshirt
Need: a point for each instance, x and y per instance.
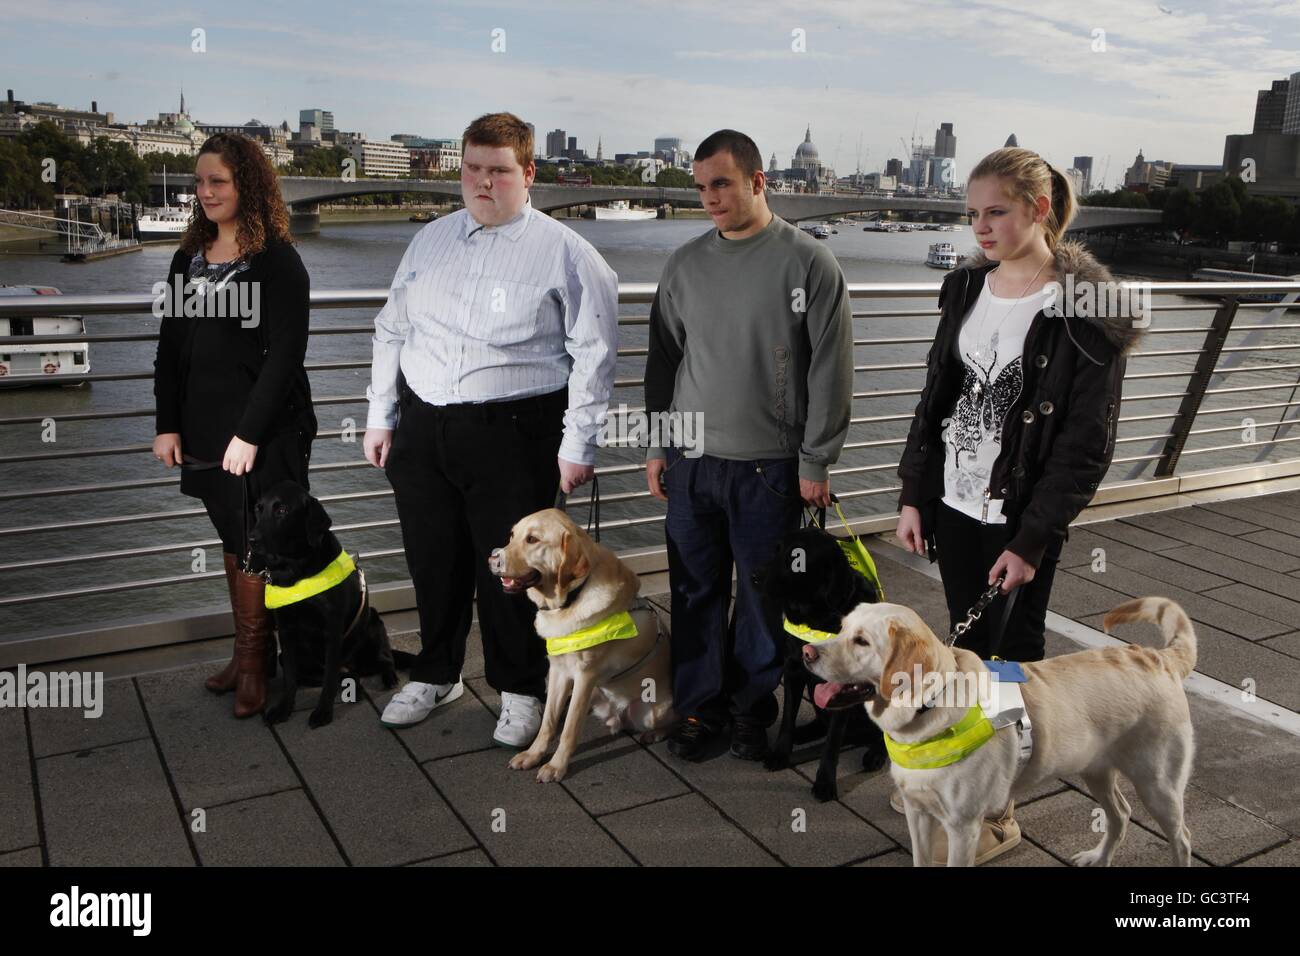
(751, 331)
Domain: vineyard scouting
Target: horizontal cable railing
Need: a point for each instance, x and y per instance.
(884, 394)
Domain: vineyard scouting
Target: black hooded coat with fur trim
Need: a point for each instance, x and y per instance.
(1059, 435)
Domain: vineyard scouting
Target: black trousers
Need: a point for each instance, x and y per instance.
(967, 549)
(462, 476)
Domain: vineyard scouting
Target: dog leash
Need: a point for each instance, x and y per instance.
(978, 608)
(593, 507)
(190, 463)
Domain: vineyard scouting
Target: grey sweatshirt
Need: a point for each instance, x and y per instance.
(756, 335)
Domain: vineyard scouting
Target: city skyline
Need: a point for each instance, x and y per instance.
(1172, 81)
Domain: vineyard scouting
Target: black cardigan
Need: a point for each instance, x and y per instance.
(214, 378)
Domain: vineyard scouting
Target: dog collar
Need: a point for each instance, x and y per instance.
(616, 627)
(333, 573)
(957, 742)
(809, 635)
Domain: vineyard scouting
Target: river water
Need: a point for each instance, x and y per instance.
(364, 255)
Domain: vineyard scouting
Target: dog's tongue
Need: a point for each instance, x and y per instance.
(823, 693)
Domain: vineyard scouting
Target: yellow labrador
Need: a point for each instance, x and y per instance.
(578, 585)
(1096, 713)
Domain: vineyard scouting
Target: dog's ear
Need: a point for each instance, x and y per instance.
(318, 522)
(573, 562)
(908, 650)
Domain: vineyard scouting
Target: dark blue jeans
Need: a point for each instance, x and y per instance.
(724, 513)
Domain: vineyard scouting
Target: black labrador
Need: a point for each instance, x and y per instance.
(813, 582)
(325, 634)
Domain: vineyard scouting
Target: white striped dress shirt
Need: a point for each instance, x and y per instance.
(489, 313)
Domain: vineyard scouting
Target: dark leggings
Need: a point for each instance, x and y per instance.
(966, 552)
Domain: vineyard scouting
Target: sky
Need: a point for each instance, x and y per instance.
(1103, 78)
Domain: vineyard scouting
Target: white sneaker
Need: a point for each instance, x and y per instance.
(417, 700)
(521, 718)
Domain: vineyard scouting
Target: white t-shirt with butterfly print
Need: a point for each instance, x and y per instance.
(990, 346)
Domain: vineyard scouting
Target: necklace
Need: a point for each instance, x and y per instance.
(978, 354)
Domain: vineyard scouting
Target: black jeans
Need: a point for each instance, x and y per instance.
(724, 513)
(967, 549)
(462, 476)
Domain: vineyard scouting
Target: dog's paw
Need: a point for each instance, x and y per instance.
(551, 773)
(277, 714)
(525, 760)
(825, 790)
(320, 717)
(390, 680)
(777, 759)
(873, 760)
(1088, 857)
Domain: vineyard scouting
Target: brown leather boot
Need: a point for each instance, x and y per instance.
(223, 680)
(253, 641)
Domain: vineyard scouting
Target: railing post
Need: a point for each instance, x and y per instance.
(1215, 337)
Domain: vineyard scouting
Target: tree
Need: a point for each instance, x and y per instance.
(172, 162)
(1266, 219)
(1179, 206)
(1218, 213)
(673, 178)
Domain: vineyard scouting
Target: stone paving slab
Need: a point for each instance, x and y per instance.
(1288, 644)
(28, 857)
(18, 800)
(684, 831)
(1257, 602)
(212, 758)
(1288, 855)
(1166, 524)
(1075, 596)
(770, 805)
(111, 806)
(1275, 582)
(1256, 512)
(379, 804)
(1234, 524)
(282, 829)
(59, 730)
(1131, 534)
(1078, 556)
(519, 821)
(463, 858)
(1277, 540)
(1201, 608)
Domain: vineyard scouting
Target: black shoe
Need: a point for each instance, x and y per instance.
(691, 739)
(748, 738)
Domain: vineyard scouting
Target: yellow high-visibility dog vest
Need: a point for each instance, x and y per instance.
(960, 740)
(333, 573)
(617, 627)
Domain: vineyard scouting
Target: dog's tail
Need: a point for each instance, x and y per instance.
(1180, 636)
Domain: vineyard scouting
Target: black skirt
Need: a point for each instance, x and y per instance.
(284, 458)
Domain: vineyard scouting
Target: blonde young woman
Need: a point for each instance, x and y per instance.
(234, 405)
(1016, 424)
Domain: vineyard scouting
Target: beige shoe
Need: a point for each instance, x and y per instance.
(996, 837)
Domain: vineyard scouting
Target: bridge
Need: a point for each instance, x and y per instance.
(304, 194)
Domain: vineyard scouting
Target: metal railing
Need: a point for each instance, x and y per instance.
(1167, 432)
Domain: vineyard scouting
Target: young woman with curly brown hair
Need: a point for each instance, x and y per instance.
(234, 405)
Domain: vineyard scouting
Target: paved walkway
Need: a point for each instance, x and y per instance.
(168, 777)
